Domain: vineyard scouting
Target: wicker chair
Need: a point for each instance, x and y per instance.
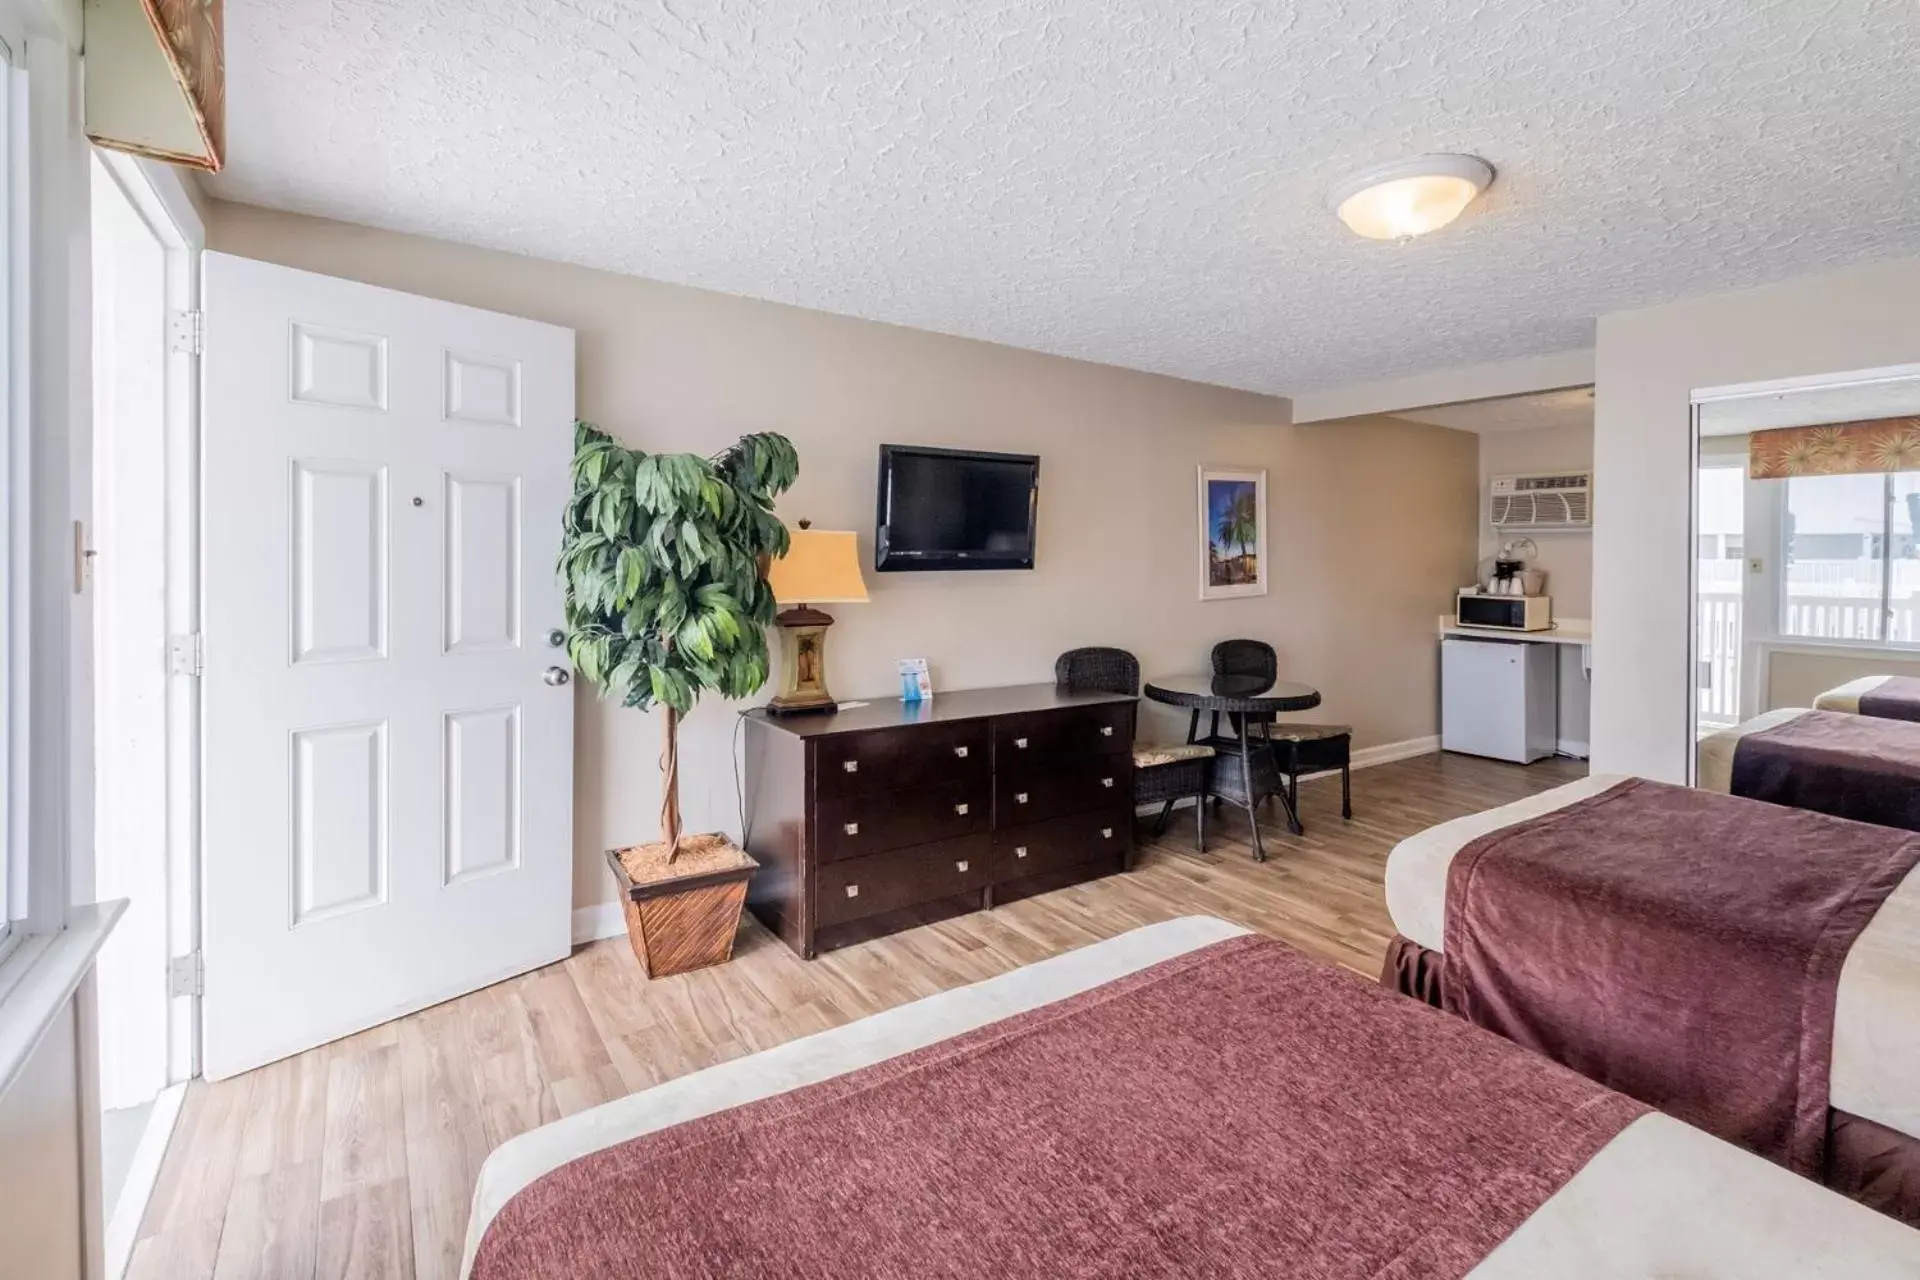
(1297, 748)
(1244, 658)
(1161, 774)
(1309, 748)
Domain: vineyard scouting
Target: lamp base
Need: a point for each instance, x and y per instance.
(803, 666)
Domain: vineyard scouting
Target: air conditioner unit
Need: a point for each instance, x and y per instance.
(1543, 501)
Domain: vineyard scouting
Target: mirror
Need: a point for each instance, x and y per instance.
(1807, 569)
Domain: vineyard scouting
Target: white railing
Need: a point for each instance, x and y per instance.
(1824, 605)
(1830, 599)
(1718, 628)
(1846, 618)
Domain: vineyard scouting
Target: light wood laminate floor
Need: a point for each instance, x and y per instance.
(357, 1159)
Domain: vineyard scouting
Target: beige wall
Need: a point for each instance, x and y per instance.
(1647, 365)
(1371, 521)
(1567, 558)
(1795, 677)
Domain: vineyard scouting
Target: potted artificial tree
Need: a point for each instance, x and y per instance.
(663, 562)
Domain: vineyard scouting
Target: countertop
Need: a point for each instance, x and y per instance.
(1565, 631)
(960, 704)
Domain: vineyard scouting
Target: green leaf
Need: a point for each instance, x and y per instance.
(660, 567)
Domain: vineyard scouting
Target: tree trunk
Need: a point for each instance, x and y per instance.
(670, 786)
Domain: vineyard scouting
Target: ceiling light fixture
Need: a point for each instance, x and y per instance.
(1409, 198)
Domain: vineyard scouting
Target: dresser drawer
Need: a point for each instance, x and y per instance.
(854, 888)
(1041, 847)
(1044, 739)
(1033, 795)
(913, 756)
(852, 826)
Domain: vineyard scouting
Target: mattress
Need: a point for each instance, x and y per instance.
(1716, 749)
(1876, 1034)
(1847, 697)
(1660, 1198)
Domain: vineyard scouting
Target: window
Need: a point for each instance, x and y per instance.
(1852, 569)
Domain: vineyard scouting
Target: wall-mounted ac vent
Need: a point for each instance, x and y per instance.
(1557, 500)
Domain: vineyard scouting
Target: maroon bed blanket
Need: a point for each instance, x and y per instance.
(1859, 767)
(1897, 698)
(1237, 1111)
(1680, 946)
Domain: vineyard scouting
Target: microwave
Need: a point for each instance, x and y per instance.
(1504, 613)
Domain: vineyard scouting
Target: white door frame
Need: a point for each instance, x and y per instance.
(160, 195)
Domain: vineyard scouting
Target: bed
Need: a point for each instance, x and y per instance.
(1889, 697)
(1648, 1195)
(1873, 1091)
(1852, 766)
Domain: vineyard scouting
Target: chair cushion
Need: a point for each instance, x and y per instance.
(1147, 755)
(1285, 731)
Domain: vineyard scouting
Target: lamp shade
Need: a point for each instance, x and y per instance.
(822, 566)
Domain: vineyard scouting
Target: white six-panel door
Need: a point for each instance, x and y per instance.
(388, 769)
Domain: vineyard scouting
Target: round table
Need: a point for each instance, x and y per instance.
(1246, 701)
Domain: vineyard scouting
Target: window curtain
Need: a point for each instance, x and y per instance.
(1836, 449)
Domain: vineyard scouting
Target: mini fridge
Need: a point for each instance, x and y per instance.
(1499, 698)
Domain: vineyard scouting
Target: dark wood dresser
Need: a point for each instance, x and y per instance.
(882, 817)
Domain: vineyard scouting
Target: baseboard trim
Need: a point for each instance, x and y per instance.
(1388, 752)
(1367, 757)
(143, 1174)
(1568, 747)
(601, 920)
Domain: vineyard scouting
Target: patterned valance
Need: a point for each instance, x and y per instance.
(1836, 449)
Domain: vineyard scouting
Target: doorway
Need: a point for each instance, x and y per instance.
(142, 399)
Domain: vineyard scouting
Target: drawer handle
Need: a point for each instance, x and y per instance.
(960, 809)
(961, 752)
(1106, 833)
(959, 866)
(1106, 782)
(851, 766)
(1106, 731)
(1019, 851)
(853, 828)
(1020, 743)
(853, 891)
(1020, 797)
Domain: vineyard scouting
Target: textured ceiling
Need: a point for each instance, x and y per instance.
(1139, 182)
(1570, 408)
(1891, 397)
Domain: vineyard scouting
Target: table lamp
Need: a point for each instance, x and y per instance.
(821, 566)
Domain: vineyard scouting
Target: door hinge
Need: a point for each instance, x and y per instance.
(186, 975)
(186, 655)
(186, 331)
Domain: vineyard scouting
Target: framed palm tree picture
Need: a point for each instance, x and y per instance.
(1233, 533)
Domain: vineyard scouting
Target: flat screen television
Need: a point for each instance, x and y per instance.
(954, 509)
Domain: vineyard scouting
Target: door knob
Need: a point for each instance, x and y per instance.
(556, 675)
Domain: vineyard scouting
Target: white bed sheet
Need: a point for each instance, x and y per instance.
(1876, 1021)
(1660, 1199)
(1847, 697)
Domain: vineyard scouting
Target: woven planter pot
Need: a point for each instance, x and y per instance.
(684, 916)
